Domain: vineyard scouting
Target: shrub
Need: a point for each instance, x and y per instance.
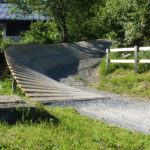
(4, 43)
(41, 33)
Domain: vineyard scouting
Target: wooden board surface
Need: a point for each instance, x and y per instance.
(38, 68)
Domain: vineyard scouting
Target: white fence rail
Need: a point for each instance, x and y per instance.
(134, 61)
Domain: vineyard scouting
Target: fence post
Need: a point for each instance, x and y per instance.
(136, 58)
(107, 59)
(13, 86)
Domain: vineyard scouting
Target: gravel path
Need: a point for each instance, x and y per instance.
(130, 113)
(122, 111)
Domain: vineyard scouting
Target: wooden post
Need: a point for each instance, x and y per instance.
(136, 58)
(107, 59)
(13, 86)
(4, 31)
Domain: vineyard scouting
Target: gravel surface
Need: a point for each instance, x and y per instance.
(122, 111)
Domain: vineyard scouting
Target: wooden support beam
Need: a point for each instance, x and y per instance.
(14, 85)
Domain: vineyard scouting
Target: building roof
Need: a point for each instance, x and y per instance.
(7, 14)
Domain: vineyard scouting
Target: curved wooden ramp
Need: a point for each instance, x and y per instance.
(38, 68)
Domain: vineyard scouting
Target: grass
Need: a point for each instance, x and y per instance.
(67, 130)
(6, 87)
(122, 79)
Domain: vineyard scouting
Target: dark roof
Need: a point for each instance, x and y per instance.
(7, 14)
(2, 1)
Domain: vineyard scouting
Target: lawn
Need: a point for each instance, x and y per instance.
(66, 129)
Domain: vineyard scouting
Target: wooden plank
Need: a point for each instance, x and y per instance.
(28, 87)
(144, 48)
(24, 79)
(51, 91)
(131, 49)
(122, 61)
(33, 83)
(57, 94)
(144, 61)
(53, 99)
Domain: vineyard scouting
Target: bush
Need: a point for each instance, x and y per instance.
(4, 43)
(41, 33)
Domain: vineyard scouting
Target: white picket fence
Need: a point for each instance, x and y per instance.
(134, 61)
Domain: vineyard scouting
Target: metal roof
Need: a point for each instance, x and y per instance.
(6, 13)
(2, 1)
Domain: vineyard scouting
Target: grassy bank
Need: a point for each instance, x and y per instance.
(67, 130)
(122, 79)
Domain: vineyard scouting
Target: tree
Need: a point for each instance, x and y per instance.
(68, 14)
(126, 21)
(41, 32)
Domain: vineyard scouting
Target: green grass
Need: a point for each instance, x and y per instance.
(6, 85)
(68, 130)
(6, 88)
(122, 79)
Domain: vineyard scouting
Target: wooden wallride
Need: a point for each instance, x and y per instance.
(38, 68)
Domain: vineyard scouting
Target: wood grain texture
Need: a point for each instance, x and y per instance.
(37, 69)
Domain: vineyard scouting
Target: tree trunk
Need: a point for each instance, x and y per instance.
(64, 30)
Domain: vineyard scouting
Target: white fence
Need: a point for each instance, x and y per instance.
(134, 61)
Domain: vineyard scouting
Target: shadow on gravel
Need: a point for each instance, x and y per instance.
(33, 115)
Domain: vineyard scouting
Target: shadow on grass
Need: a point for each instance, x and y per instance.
(32, 115)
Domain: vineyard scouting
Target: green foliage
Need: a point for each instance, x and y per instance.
(72, 132)
(4, 43)
(41, 32)
(6, 88)
(73, 20)
(126, 21)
